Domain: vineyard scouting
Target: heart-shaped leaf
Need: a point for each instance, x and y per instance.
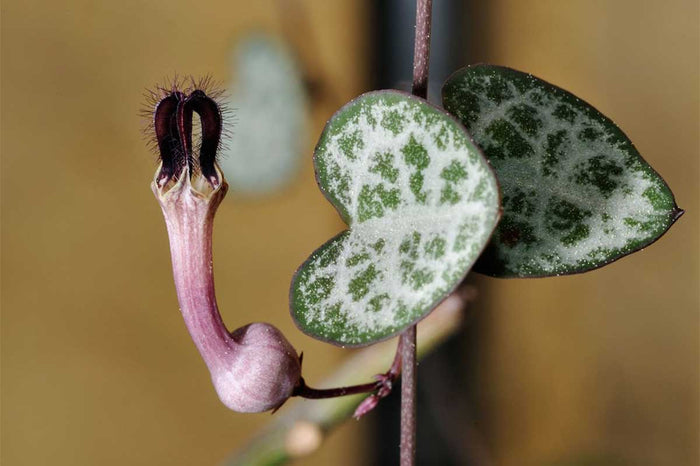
(576, 193)
(421, 203)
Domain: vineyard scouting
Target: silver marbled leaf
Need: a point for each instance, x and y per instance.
(420, 202)
(576, 193)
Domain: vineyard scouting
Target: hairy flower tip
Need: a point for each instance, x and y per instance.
(265, 370)
(170, 109)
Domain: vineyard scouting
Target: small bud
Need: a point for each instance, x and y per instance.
(263, 372)
(367, 405)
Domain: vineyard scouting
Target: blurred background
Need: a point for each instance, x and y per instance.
(97, 366)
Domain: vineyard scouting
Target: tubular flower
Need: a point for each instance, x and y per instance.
(253, 368)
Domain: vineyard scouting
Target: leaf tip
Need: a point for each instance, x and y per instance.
(676, 213)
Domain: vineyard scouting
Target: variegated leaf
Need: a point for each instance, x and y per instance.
(576, 193)
(421, 203)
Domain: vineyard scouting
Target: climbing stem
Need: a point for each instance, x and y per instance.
(421, 63)
(408, 397)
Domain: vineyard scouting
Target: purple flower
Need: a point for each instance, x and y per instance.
(254, 368)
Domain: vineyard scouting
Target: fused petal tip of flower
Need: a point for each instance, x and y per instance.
(172, 119)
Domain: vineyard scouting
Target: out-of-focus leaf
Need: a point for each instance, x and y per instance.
(270, 109)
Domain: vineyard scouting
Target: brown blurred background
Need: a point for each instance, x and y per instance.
(97, 367)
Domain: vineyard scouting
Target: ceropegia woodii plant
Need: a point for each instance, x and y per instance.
(420, 202)
(576, 193)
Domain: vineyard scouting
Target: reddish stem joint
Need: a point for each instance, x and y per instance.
(381, 387)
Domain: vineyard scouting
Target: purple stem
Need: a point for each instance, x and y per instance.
(421, 61)
(305, 391)
(408, 397)
(421, 48)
